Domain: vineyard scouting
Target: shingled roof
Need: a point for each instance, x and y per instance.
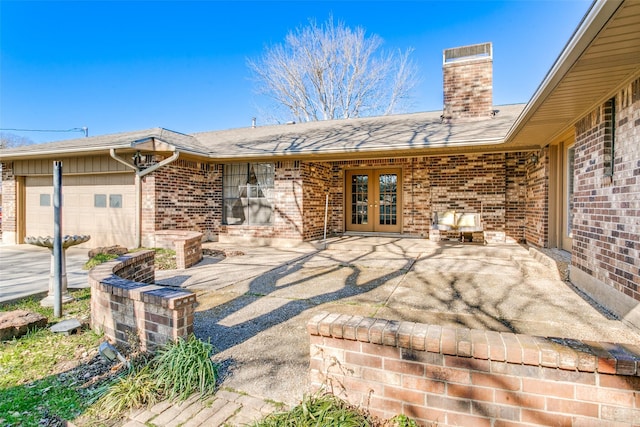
(405, 134)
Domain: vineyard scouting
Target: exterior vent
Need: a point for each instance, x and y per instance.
(465, 53)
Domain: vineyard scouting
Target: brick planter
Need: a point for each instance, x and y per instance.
(458, 376)
(187, 244)
(125, 303)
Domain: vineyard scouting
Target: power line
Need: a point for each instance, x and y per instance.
(83, 129)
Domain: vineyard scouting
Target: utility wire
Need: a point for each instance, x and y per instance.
(82, 129)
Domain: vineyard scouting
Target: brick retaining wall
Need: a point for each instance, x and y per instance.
(458, 376)
(125, 303)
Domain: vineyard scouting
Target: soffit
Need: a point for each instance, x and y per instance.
(584, 77)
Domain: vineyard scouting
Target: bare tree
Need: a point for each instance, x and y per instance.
(10, 140)
(332, 71)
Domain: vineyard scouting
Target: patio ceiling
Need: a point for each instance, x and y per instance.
(603, 54)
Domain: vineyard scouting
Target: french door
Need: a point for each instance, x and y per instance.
(374, 200)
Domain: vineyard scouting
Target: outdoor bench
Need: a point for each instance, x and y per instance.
(457, 222)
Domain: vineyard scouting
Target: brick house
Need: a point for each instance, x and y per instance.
(562, 171)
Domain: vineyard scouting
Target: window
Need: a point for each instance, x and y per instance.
(100, 200)
(248, 193)
(45, 200)
(115, 200)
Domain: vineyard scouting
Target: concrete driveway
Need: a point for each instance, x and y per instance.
(25, 270)
(254, 307)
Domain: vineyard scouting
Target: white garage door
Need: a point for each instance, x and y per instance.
(103, 206)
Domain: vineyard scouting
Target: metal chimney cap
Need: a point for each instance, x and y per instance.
(466, 53)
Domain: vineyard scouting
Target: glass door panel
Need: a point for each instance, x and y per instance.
(387, 200)
(359, 199)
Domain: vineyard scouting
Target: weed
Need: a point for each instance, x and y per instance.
(318, 410)
(403, 421)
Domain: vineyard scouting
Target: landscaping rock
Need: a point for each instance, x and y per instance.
(109, 250)
(18, 322)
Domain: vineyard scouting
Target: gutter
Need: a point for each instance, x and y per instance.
(598, 15)
(140, 173)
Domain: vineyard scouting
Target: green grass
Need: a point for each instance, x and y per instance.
(29, 384)
(165, 259)
(26, 404)
(97, 260)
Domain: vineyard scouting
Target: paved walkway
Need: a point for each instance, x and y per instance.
(225, 408)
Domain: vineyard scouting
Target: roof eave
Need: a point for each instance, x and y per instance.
(592, 23)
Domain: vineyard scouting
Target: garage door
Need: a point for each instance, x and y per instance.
(103, 206)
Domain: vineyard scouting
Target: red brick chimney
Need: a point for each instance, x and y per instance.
(468, 81)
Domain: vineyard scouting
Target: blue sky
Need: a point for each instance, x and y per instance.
(117, 66)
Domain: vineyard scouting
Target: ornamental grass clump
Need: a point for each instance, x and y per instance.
(133, 390)
(177, 370)
(184, 367)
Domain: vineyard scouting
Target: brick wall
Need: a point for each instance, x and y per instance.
(471, 183)
(417, 209)
(125, 303)
(317, 180)
(183, 195)
(537, 201)
(606, 230)
(458, 376)
(9, 221)
(516, 195)
(494, 184)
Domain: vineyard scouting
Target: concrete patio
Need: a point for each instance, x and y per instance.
(254, 307)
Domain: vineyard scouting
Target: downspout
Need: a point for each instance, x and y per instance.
(138, 184)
